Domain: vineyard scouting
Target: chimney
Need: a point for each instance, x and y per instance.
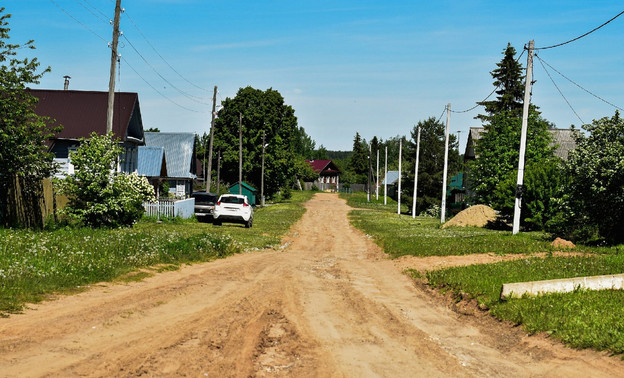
(66, 86)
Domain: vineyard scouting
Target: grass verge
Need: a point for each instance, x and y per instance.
(580, 319)
(36, 263)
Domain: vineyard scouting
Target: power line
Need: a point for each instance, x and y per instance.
(161, 57)
(99, 16)
(579, 37)
(573, 82)
(78, 21)
(156, 90)
(561, 93)
(191, 97)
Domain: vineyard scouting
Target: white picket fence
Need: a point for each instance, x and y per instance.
(169, 209)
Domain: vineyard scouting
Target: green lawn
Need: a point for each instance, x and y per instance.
(36, 263)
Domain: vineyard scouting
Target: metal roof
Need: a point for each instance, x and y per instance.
(391, 178)
(151, 162)
(84, 112)
(179, 148)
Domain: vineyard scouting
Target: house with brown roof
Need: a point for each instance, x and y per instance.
(84, 112)
(329, 174)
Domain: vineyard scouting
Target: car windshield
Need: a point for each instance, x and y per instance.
(236, 200)
(204, 198)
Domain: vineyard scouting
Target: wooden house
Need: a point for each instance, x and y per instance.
(329, 174)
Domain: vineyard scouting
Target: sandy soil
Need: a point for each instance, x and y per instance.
(330, 304)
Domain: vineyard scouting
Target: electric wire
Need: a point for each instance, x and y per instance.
(441, 115)
(579, 37)
(189, 96)
(161, 57)
(579, 86)
(78, 21)
(156, 90)
(559, 90)
(491, 93)
(82, 4)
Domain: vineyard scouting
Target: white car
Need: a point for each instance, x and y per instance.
(233, 208)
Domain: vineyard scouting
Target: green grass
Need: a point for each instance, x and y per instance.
(580, 319)
(36, 263)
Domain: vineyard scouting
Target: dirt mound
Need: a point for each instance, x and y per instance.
(562, 243)
(478, 215)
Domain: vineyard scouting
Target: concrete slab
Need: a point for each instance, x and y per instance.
(516, 290)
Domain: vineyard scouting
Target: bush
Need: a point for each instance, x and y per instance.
(99, 196)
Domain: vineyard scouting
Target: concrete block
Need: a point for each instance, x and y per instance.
(564, 285)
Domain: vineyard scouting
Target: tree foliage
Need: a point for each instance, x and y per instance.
(23, 153)
(99, 196)
(358, 163)
(595, 201)
(498, 149)
(431, 163)
(261, 112)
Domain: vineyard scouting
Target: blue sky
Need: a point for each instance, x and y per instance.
(371, 67)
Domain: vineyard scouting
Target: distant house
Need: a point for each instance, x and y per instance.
(391, 182)
(329, 174)
(84, 112)
(180, 158)
(562, 138)
(153, 165)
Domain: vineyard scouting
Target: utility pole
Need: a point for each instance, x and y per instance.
(416, 174)
(443, 206)
(240, 153)
(214, 114)
(523, 137)
(113, 69)
(399, 189)
(458, 132)
(368, 191)
(262, 178)
(377, 181)
(386, 178)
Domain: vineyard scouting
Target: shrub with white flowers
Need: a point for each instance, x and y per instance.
(100, 196)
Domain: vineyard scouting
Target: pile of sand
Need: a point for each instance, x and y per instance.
(562, 244)
(478, 216)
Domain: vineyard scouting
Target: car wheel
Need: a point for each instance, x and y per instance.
(217, 223)
(249, 223)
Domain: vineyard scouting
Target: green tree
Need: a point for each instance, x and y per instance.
(431, 163)
(262, 112)
(358, 164)
(99, 196)
(24, 157)
(497, 150)
(596, 191)
(509, 80)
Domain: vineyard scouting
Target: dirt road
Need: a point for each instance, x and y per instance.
(329, 304)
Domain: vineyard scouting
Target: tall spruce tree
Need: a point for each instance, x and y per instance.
(497, 150)
(358, 164)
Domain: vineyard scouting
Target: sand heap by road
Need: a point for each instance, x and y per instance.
(478, 215)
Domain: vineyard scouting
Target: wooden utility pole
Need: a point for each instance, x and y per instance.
(523, 137)
(214, 114)
(416, 174)
(262, 178)
(443, 206)
(240, 153)
(113, 69)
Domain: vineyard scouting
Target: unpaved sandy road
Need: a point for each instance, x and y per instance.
(329, 304)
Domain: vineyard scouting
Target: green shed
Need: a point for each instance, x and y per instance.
(247, 190)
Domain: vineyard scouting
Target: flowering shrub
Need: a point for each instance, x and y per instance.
(100, 196)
